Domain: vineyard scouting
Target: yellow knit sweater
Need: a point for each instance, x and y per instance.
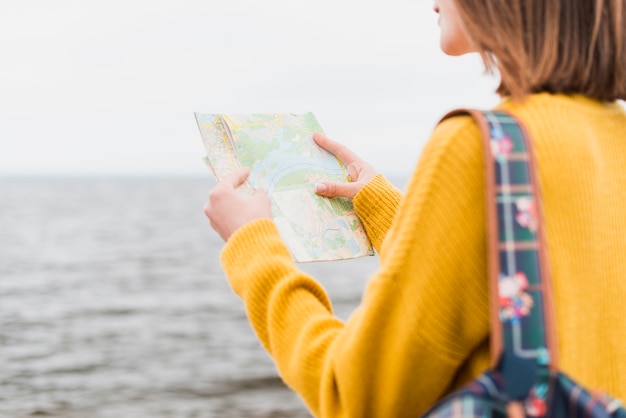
(422, 327)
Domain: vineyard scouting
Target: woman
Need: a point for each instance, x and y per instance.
(422, 329)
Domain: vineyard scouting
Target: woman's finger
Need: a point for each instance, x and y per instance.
(339, 150)
(236, 178)
(331, 189)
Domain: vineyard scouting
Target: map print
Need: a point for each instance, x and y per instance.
(283, 159)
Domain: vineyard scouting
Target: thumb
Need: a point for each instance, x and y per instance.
(236, 178)
(330, 189)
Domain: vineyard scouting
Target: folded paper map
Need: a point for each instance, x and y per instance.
(284, 160)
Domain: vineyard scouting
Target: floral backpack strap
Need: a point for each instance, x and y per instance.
(523, 337)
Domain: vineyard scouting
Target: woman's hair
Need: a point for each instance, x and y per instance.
(555, 46)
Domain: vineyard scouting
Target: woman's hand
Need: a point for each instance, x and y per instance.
(228, 210)
(360, 172)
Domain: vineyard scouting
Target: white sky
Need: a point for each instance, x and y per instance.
(110, 87)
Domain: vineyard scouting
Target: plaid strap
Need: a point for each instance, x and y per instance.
(520, 267)
(523, 344)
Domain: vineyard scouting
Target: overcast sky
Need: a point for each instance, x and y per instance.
(110, 87)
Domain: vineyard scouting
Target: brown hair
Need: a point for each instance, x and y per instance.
(555, 46)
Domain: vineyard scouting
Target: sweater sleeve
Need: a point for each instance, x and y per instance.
(376, 205)
(422, 324)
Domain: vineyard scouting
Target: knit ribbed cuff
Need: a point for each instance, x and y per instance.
(376, 205)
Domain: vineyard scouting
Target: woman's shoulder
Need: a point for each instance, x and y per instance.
(457, 121)
(456, 130)
(453, 150)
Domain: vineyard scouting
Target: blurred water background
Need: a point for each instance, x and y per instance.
(113, 304)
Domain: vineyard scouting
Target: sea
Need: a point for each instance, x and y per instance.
(113, 303)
